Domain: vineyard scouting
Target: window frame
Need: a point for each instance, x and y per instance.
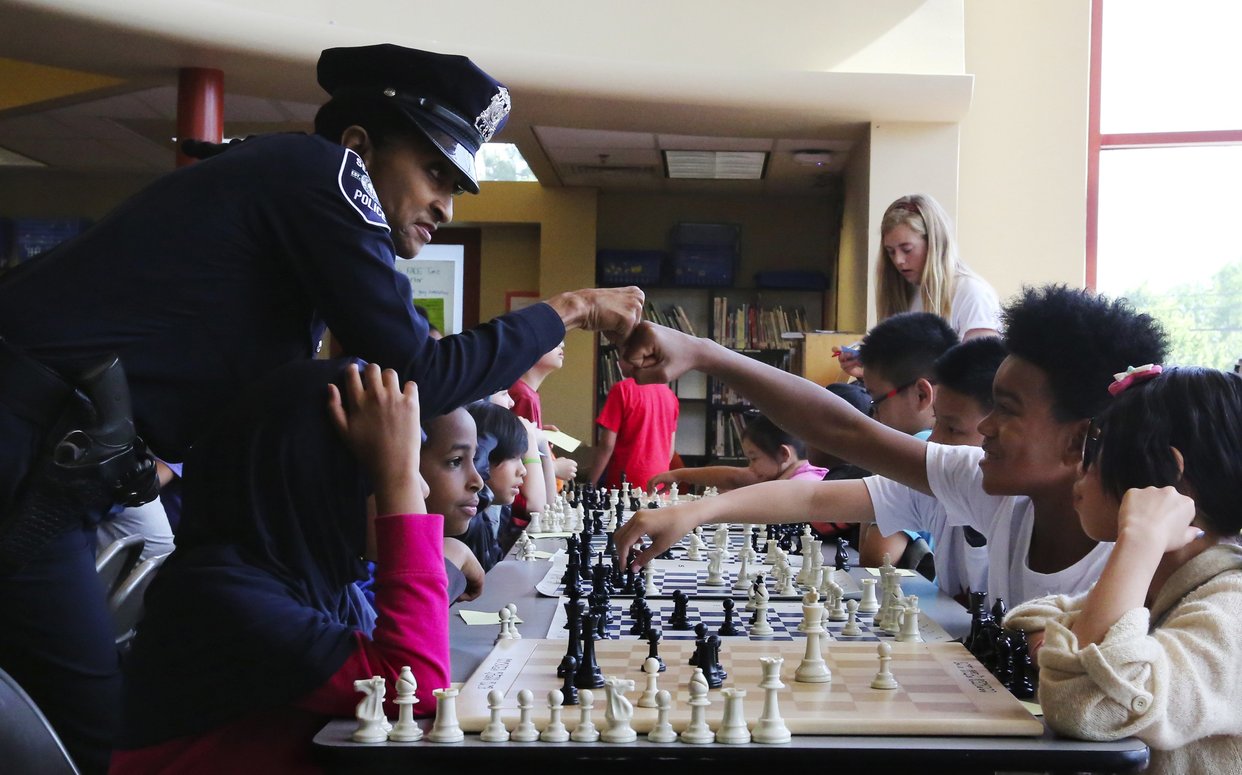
(1097, 142)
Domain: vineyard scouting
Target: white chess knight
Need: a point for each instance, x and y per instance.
(715, 566)
(695, 550)
(620, 712)
(372, 723)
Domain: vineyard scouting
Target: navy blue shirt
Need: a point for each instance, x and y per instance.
(221, 271)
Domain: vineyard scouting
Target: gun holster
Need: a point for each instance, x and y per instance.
(92, 459)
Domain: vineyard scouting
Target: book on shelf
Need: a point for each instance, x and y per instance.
(749, 326)
(672, 316)
(729, 427)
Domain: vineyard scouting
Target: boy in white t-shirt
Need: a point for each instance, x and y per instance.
(1064, 346)
(963, 396)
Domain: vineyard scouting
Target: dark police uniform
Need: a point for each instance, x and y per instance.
(205, 281)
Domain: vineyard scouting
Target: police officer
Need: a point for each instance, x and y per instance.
(222, 271)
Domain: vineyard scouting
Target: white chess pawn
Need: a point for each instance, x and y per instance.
(698, 732)
(663, 731)
(525, 731)
(495, 731)
(770, 729)
(406, 730)
(733, 729)
(851, 628)
(446, 729)
(884, 678)
(505, 617)
(555, 731)
(649, 586)
(651, 666)
(586, 731)
(514, 634)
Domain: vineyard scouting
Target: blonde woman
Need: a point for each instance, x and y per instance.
(919, 271)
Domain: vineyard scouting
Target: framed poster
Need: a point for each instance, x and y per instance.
(516, 300)
(436, 283)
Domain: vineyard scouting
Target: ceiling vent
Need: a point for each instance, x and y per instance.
(716, 165)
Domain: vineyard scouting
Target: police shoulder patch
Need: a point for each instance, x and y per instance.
(356, 187)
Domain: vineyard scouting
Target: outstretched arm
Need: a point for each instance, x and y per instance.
(721, 477)
(801, 407)
(765, 503)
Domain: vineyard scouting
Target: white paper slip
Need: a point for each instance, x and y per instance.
(898, 571)
(562, 440)
(483, 617)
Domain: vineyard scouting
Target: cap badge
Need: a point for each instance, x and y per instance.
(493, 115)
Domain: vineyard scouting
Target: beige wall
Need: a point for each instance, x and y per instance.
(565, 219)
(854, 261)
(1022, 201)
(509, 262)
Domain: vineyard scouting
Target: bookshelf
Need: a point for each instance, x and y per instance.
(750, 321)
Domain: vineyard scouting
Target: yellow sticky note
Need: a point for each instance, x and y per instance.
(483, 617)
(562, 440)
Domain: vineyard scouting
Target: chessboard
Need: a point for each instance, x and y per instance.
(784, 617)
(691, 577)
(942, 690)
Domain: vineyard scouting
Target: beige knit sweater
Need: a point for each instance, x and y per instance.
(1171, 677)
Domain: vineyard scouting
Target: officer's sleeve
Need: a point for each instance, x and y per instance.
(338, 249)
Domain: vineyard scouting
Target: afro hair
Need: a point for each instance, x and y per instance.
(1080, 339)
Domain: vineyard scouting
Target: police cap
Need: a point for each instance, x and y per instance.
(456, 105)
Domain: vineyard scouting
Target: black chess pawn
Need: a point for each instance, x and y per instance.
(978, 607)
(568, 670)
(639, 611)
(728, 627)
(1022, 685)
(640, 596)
(999, 609)
(713, 643)
(842, 560)
(680, 618)
(653, 646)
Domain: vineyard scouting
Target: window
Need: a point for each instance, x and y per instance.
(502, 161)
(1165, 155)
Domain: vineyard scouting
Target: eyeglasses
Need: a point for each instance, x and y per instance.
(1091, 442)
(877, 401)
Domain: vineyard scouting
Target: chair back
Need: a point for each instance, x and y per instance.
(117, 559)
(126, 601)
(27, 741)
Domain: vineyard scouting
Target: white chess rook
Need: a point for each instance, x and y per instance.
(869, 603)
(445, 729)
(733, 729)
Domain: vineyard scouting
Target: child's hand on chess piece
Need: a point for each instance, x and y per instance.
(665, 527)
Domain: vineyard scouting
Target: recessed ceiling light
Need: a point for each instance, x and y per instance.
(716, 165)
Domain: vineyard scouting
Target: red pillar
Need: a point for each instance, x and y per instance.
(200, 108)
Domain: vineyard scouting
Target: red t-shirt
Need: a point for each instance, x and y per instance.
(644, 418)
(526, 403)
